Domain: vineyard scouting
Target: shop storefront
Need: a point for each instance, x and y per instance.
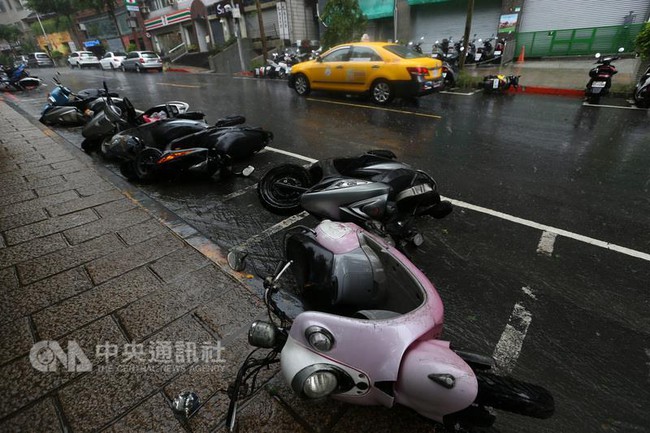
(169, 31)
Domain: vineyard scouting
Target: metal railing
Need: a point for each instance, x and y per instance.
(177, 52)
(577, 42)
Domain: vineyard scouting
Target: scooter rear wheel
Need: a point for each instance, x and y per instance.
(514, 396)
(145, 164)
(281, 187)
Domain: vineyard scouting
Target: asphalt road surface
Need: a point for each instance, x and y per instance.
(545, 262)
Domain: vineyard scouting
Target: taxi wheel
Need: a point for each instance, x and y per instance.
(301, 85)
(381, 92)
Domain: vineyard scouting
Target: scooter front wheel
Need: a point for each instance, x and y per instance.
(145, 164)
(514, 396)
(281, 187)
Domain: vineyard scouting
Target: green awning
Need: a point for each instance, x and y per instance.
(422, 2)
(374, 9)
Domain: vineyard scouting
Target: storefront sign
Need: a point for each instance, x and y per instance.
(508, 23)
(169, 19)
(92, 43)
(132, 5)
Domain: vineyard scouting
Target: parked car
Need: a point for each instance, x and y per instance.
(39, 60)
(112, 60)
(83, 59)
(383, 70)
(139, 61)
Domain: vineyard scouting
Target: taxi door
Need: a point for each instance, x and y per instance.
(329, 73)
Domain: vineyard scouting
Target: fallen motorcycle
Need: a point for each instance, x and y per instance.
(372, 190)
(500, 83)
(178, 146)
(370, 335)
(18, 78)
(102, 126)
(66, 108)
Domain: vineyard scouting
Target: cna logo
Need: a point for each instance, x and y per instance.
(46, 356)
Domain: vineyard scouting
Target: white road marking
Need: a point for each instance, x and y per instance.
(528, 291)
(543, 227)
(461, 94)
(509, 346)
(567, 234)
(238, 193)
(271, 230)
(585, 104)
(546, 243)
(295, 155)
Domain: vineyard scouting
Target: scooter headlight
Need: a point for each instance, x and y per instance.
(319, 338)
(319, 384)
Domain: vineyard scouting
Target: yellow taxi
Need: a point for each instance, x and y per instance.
(381, 69)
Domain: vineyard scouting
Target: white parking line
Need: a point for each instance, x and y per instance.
(271, 231)
(543, 227)
(461, 94)
(546, 243)
(585, 104)
(509, 346)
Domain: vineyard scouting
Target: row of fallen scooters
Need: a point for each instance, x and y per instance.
(161, 142)
(370, 328)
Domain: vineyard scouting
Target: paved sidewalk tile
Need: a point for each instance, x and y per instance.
(49, 226)
(67, 258)
(70, 314)
(153, 415)
(9, 256)
(40, 418)
(105, 225)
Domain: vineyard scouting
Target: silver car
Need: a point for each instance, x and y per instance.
(140, 61)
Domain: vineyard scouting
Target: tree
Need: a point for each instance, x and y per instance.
(344, 20)
(9, 33)
(642, 41)
(62, 8)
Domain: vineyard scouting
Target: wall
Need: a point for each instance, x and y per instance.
(227, 61)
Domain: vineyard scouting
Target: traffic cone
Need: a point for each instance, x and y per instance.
(521, 54)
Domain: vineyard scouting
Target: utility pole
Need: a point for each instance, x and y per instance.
(50, 47)
(468, 28)
(260, 21)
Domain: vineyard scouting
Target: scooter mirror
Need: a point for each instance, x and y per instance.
(597, 55)
(480, 40)
(237, 260)
(248, 171)
(422, 38)
(620, 50)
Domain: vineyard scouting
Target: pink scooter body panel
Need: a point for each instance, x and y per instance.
(430, 399)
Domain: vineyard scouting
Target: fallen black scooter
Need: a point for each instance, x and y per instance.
(372, 190)
(102, 126)
(176, 146)
(66, 108)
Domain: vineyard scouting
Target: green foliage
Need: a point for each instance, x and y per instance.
(192, 48)
(56, 54)
(52, 25)
(6, 60)
(642, 41)
(465, 80)
(131, 47)
(345, 22)
(9, 33)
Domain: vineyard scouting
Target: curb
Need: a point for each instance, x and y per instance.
(538, 90)
(187, 71)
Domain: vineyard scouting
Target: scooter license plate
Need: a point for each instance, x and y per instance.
(495, 83)
(598, 84)
(444, 74)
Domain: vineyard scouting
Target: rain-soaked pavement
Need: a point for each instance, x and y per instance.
(529, 162)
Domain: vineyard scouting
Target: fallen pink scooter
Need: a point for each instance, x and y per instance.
(370, 336)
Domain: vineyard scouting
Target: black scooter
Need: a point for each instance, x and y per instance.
(372, 190)
(176, 146)
(642, 90)
(601, 77)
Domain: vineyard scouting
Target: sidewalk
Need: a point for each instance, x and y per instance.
(82, 262)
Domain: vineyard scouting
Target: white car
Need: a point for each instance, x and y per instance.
(83, 59)
(112, 60)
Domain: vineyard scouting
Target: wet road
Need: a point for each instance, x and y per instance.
(541, 161)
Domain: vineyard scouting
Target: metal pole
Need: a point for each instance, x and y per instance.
(260, 21)
(468, 28)
(395, 21)
(239, 46)
(47, 37)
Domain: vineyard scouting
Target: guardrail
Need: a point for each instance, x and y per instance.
(177, 52)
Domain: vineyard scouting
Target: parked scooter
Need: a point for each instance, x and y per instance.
(449, 70)
(18, 78)
(370, 335)
(177, 146)
(372, 190)
(66, 108)
(601, 77)
(500, 83)
(642, 90)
